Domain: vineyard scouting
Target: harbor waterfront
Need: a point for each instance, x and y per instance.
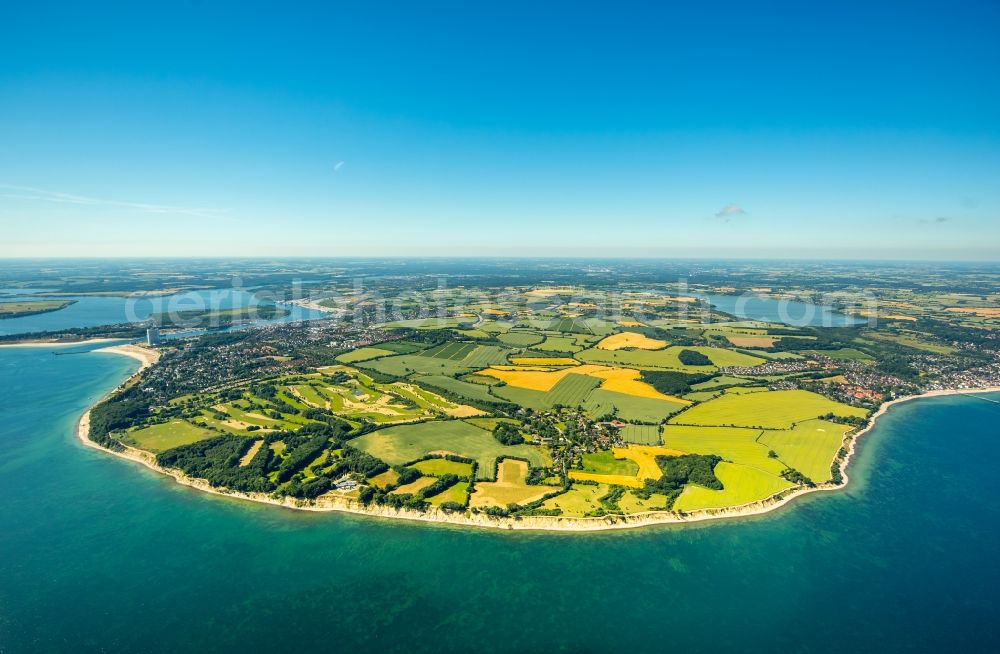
(100, 554)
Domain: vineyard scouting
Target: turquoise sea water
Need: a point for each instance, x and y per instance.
(99, 554)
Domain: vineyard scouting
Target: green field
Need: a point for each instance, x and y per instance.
(769, 409)
(735, 444)
(605, 463)
(586, 326)
(629, 503)
(363, 354)
(577, 501)
(561, 344)
(405, 443)
(721, 380)
(464, 357)
(843, 354)
(449, 322)
(641, 434)
(536, 400)
(520, 339)
(701, 396)
(459, 494)
(361, 398)
(809, 447)
(630, 407)
(571, 390)
(167, 435)
(489, 424)
(741, 485)
(495, 326)
(465, 389)
(438, 467)
(455, 351)
(402, 347)
(916, 342)
(413, 487)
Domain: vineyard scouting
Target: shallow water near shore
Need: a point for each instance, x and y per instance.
(99, 553)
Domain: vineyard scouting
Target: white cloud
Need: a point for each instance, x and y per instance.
(730, 211)
(43, 195)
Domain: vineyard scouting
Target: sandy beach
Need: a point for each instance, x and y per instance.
(140, 353)
(531, 523)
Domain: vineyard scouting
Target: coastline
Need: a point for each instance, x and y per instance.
(89, 341)
(527, 523)
(315, 305)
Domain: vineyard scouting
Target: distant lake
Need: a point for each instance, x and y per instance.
(790, 312)
(89, 311)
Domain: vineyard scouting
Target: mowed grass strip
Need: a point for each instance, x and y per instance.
(767, 409)
(403, 443)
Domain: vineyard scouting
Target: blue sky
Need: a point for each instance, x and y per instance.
(867, 130)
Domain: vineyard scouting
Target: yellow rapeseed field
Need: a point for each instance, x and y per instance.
(620, 380)
(630, 339)
(752, 341)
(645, 456)
(985, 312)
